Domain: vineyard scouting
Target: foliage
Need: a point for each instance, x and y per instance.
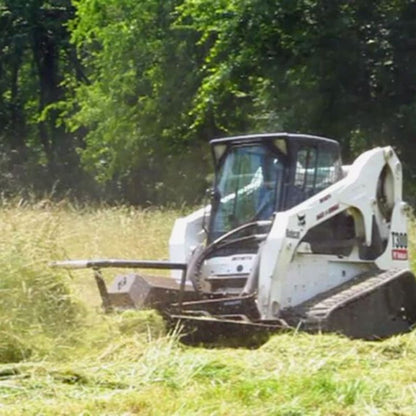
(35, 55)
(125, 92)
(329, 68)
(135, 104)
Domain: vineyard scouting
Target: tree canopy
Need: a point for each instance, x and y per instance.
(117, 98)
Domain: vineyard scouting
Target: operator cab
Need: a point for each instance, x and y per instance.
(258, 175)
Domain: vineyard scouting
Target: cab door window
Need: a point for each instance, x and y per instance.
(316, 168)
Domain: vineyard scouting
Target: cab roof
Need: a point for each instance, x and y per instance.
(253, 138)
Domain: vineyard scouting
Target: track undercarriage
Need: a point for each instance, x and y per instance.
(374, 305)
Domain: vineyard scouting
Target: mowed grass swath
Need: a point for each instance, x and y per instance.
(62, 356)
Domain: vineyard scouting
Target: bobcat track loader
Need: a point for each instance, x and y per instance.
(291, 238)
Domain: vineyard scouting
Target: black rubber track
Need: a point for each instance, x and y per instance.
(372, 306)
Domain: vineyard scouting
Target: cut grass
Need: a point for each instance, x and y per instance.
(62, 356)
(291, 374)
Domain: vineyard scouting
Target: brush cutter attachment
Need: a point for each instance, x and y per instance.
(135, 291)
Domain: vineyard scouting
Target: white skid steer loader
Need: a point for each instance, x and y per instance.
(292, 238)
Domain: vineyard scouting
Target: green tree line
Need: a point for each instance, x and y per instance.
(117, 99)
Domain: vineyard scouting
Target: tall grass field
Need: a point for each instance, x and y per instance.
(61, 355)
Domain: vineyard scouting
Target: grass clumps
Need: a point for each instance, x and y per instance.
(36, 304)
(46, 311)
(149, 323)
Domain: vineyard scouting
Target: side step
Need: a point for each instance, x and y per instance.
(374, 305)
